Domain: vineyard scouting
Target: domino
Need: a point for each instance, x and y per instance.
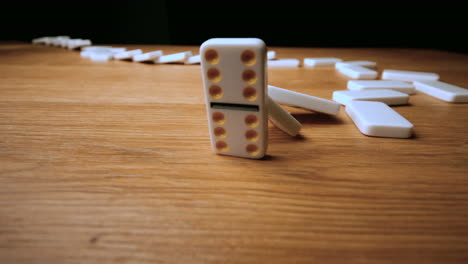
(388, 97)
(357, 72)
(149, 56)
(379, 84)
(271, 55)
(284, 63)
(95, 48)
(100, 56)
(78, 43)
(314, 62)
(125, 55)
(193, 60)
(176, 57)
(282, 119)
(443, 91)
(42, 40)
(409, 76)
(117, 50)
(304, 101)
(378, 120)
(367, 64)
(56, 41)
(234, 79)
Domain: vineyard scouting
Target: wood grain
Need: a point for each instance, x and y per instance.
(110, 163)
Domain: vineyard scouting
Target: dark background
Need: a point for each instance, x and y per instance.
(386, 24)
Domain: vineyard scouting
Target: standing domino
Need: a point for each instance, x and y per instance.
(235, 78)
(443, 91)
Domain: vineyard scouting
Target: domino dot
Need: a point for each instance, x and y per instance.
(250, 93)
(222, 146)
(214, 75)
(248, 57)
(251, 121)
(252, 149)
(251, 135)
(218, 118)
(249, 76)
(220, 132)
(211, 56)
(216, 92)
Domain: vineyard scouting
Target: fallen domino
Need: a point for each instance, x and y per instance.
(388, 97)
(409, 76)
(378, 119)
(363, 85)
(443, 91)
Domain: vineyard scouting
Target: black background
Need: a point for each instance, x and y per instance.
(285, 23)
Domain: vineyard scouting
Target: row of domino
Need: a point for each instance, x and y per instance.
(107, 53)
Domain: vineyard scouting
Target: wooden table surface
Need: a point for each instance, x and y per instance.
(110, 163)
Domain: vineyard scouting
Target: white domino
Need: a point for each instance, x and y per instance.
(100, 56)
(399, 86)
(193, 60)
(78, 43)
(314, 62)
(42, 40)
(357, 72)
(443, 91)
(304, 101)
(409, 76)
(148, 56)
(282, 119)
(388, 97)
(271, 55)
(176, 57)
(284, 63)
(367, 64)
(234, 79)
(378, 119)
(125, 55)
(94, 48)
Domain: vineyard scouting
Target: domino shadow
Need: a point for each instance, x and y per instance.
(317, 118)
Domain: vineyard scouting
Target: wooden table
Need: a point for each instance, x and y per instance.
(111, 163)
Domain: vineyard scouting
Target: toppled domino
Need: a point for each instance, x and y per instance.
(378, 119)
(388, 97)
(443, 91)
(367, 64)
(357, 72)
(271, 55)
(409, 76)
(193, 60)
(379, 84)
(176, 57)
(314, 62)
(282, 119)
(125, 55)
(284, 63)
(304, 101)
(149, 56)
